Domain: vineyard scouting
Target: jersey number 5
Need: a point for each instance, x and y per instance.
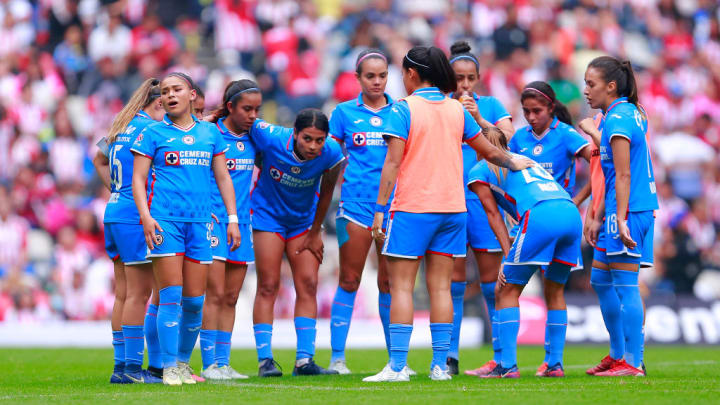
(115, 168)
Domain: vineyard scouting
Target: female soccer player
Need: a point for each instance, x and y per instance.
(175, 211)
(428, 215)
(359, 124)
(550, 140)
(630, 199)
(198, 105)
(124, 239)
(549, 239)
(287, 216)
(241, 105)
(487, 111)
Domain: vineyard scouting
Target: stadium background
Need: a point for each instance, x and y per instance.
(66, 67)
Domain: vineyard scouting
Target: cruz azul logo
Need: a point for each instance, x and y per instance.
(230, 164)
(359, 139)
(275, 173)
(240, 146)
(537, 149)
(172, 159)
(188, 139)
(376, 121)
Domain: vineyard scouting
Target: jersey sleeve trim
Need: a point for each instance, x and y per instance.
(585, 145)
(335, 164)
(620, 135)
(138, 152)
(508, 116)
(338, 140)
(466, 140)
(394, 136)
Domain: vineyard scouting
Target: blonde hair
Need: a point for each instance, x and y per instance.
(497, 138)
(141, 98)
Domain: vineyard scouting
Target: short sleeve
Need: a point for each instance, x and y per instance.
(498, 111)
(260, 133)
(513, 144)
(398, 123)
(479, 174)
(334, 154)
(471, 129)
(616, 124)
(337, 125)
(574, 142)
(220, 146)
(145, 143)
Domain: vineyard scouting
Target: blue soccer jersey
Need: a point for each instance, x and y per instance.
(179, 187)
(493, 111)
(517, 192)
(624, 119)
(121, 205)
(287, 186)
(240, 161)
(555, 150)
(360, 128)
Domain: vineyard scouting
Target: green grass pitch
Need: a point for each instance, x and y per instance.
(677, 375)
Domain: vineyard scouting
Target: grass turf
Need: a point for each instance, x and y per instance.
(676, 373)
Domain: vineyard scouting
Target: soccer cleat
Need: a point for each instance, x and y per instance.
(311, 368)
(486, 369)
(494, 373)
(269, 368)
(541, 370)
(186, 373)
(340, 366)
(510, 372)
(554, 371)
(388, 375)
(410, 372)
(150, 378)
(214, 373)
(605, 364)
(117, 378)
(234, 375)
(135, 378)
(438, 374)
(453, 366)
(621, 368)
(171, 376)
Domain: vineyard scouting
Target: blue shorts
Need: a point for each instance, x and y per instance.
(412, 235)
(191, 239)
(361, 213)
(265, 223)
(550, 231)
(221, 250)
(555, 271)
(480, 236)
(127, 242)
(642, 230)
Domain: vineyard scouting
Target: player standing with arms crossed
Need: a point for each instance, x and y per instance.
(175, 211)
(428, 214)
(287, 217)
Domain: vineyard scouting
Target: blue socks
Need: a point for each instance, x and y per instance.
(151, 337)
(488, 290)
(118, 343)
(222, 348)
(457, 290)
(263, 340)
(602, 283)
(399, 345)
(134, 347)
(631, 309)
(557, 327)
(441, 337)
(340, 315)
(305, 331)
(384, 310)
(168, 321)
(189, 326)
(207, 347)
(508, 328)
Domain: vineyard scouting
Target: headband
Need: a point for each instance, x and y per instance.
(249, 89)
(469, 57)
(185, 77)
(416, 63)
(538, 91)
(370, 55)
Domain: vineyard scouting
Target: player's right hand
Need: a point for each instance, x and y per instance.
(591, 230)
(149, 227)
(519, 163)
(377, 230)
(587, 125)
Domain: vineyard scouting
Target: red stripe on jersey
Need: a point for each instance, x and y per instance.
(527, 217)
(438, 253)
(152, 191)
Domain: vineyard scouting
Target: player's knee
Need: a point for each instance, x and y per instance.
(383, 285)
(306, 288)
(230, 298)
(350, 282)
(268, 289)
(213, 297)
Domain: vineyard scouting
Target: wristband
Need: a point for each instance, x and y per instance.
(380, 208)
(232, 219)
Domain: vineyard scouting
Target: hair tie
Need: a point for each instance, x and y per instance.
(539, 92)
(469, 57)
(232, 99)
(416, 63)
(371, 54)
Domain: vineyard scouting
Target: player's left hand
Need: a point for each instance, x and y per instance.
(314, 243)
(519, 163)
(624, 233)
(501, 278)
(377, 229)
(233, 236)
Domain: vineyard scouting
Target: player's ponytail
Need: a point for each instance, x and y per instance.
(432, 66)
(545, 94)
(148, 92)
(460, 50)
(498, 139)
(311, 118)
(613, 70)
(233, 93)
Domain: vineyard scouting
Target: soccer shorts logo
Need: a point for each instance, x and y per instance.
(240, 146)
(537, 149)
(359, 139)
(172, 159)
(159, 239)
(376, 121)
(214, 241)
(275, 173)
(188, 139)
(230, 164)
(295, 169)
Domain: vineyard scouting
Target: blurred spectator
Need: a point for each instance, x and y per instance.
(111, 39)
(151, 40)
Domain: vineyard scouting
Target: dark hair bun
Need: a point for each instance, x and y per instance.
(459, 47)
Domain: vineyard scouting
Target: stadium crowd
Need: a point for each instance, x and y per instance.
(67, 67)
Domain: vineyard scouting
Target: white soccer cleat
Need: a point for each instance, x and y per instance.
(409, 371)
(439, 374)
(214, 373)
(186, 373)
(339, 366)
(171, 376)
(388, 375)
(232, 374)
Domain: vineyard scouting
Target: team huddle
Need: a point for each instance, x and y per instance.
(431, 176)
